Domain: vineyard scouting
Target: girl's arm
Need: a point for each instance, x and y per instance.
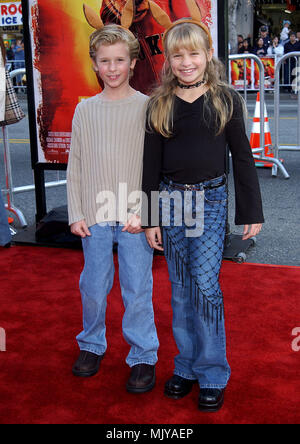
(152, 166)
(247, 190)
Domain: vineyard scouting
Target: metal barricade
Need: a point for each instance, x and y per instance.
(10, 190)
(258, 153)
(15, 69)
(8, 180)
(296, 87)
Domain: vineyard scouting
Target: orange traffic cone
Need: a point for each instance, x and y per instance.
(255, 135)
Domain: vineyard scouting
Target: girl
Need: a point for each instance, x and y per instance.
(276, 48)
(260, 50)
(192, 117)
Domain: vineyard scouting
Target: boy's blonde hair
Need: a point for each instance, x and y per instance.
(161, 105)
(111, 34)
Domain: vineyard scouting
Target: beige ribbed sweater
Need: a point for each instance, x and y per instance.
(106, 151)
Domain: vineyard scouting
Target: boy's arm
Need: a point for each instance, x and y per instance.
(74, 175)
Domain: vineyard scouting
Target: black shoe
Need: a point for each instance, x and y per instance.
(211, 400)
(142, 379)
(7, 245)
(87, 364)
(178, 387)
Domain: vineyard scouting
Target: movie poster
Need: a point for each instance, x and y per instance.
(63, 73)
(237, 75)
(269, 64)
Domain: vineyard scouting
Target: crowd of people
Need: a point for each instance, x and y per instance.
(15, 56)
(273, 45)
(264, 45)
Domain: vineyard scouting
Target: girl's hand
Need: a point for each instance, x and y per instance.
(133, 226)
(80, 229)
(251, 231)
(154, 238)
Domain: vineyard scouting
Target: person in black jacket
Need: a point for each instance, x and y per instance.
(291, 46)
(260, 50)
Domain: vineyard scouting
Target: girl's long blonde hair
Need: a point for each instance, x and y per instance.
(161, 104)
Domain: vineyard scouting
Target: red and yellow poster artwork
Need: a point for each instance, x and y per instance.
(238, 78)
(269, 64)
(63, 73)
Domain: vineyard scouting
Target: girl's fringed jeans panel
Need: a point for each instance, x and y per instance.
(194, 264)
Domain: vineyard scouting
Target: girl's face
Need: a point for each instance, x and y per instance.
(260, 43)
(113, 64)
(188, 65)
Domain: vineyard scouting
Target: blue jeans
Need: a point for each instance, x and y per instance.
(194, 265)
(136, 281)
(5, 236)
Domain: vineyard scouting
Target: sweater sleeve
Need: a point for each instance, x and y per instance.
(74, 174)
(247, 190)
(152, 166)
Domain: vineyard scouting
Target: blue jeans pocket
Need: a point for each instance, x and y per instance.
(216, 195)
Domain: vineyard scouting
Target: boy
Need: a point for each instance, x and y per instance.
(106, 154)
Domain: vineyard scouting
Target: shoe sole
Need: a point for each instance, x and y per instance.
(176, 396)
(136, 390)
(85, 374)
(88, 374)
(211, 408)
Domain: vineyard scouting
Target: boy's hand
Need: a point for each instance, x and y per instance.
(154, 238)
(133, 225)
(80, 229)
(251, 231)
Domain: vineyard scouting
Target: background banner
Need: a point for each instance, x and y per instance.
(11, 14)
(62, 69)
(252, 73)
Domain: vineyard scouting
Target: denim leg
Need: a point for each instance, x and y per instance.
(210, 366)
(135, 271)
(197, 300)
(5, 236)
(95, 283)
(183, 319)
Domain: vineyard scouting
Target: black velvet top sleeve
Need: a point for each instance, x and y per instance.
(195, 154)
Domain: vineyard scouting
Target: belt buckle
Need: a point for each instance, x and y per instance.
(188, 187)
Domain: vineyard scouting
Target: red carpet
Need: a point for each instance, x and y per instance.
(41, 314)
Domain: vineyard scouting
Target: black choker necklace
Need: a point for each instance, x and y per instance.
(195, 85)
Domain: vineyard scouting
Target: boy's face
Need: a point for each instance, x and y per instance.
(113, 65)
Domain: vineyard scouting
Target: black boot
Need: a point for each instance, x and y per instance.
(178, 387)
(211, 400)
(87, 364)
(142, 378)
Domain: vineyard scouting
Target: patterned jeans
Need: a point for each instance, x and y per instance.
(194, 257)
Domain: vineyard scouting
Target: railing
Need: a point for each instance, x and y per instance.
(10, 190)
(258, 153)
(16, 68)
(296, 88)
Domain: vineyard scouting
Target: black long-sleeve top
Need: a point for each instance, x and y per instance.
(195, 154)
